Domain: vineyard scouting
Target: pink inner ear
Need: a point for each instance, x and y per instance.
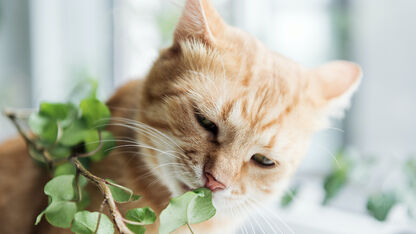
(199, 20)
(336, 78)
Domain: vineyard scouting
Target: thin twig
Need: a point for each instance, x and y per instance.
(105, 190)
(77, 185)
(13, 118)
(96, 150)
(99, 215)
(132, 222)
(99, 182)
(190, 229)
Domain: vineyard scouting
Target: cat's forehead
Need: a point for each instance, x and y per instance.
(252, 113)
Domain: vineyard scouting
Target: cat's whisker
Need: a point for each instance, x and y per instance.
(335, 129)
(159, 166)
(274, 214)
(155, 180)
(331, 154)
(254, 206)
(147, 147)
(245, 229)
(242, 227)
(253, 218)
(140, 124)
(142, 130)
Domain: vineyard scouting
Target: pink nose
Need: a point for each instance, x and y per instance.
(212, 183)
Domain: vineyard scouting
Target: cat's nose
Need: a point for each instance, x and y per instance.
(212, 183)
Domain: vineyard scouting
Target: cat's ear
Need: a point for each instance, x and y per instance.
(199, 21)
(334, 83)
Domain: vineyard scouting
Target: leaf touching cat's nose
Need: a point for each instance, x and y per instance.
(212, 183)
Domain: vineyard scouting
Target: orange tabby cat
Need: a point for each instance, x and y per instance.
(217, 109)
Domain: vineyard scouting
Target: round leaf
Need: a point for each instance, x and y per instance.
(379, 205)
(142, 215)
(136, 229)
(92, 142)
(122, 194)
(59, 111)
(74, 134)
(60, 213)
(64, 169)
(85, 222)
(46, 128)
(60, 188)
(189, 208)
(95, 113)
(60, 151)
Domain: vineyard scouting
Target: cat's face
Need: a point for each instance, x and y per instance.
(229, 114)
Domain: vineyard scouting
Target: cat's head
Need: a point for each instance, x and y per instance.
(229, 114)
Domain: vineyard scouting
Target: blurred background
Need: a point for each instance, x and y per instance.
(359, 176)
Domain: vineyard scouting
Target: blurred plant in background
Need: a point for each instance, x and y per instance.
(348, 170)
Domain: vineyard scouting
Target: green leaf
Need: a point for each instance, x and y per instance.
(85, 222)
(46, 128)
(60, 151)
(333, 184)
(35, 154)
(338, 178)
(92, 143)
(95, 113)
(85, 89)
(39, 217)
(60, 188)
(189, 208)
(58, 111)
(142, 215)
(60, 213)
(287, 199)
(136, 229)
(122, 194)
(379, 205)
(64, 169)
(410, 172)
(74, 134)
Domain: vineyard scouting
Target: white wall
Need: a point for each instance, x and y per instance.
(70, 40)
(384, 42)
(14, 60)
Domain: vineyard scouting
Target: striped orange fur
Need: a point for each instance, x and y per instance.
(260, 101)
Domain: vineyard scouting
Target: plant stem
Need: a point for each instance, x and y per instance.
(105, 190)
(99, 182)
(190, 229)
(13, 118)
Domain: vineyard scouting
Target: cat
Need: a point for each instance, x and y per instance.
(217, 110)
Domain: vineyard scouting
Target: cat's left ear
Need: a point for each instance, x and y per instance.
(333, 84)
(199, 21)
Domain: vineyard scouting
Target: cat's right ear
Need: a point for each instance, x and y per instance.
(199, 21)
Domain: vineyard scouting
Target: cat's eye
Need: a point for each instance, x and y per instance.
(262, 160)
(207, 124)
